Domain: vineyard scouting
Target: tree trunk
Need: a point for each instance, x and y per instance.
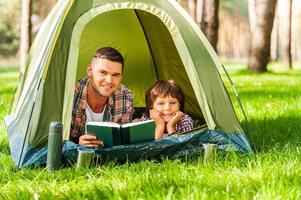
(261, 36)
(192, 9)
(44, 7)
(209, 23)
(296, 30)
(252, 15)
(26, 26)
(199, 12)
(286, 24)
(275, 36)
(184, 4)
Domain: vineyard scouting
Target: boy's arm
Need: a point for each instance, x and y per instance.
(186, 124)
(159, 131)
(160, 124)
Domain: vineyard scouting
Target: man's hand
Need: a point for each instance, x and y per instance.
(90, 141)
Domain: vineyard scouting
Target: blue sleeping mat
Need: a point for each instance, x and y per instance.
(172, 147)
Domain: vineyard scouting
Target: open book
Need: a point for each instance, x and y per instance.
(113, 134)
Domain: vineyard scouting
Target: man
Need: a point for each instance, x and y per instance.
(100, 96)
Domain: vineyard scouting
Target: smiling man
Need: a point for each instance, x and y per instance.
(100, 96)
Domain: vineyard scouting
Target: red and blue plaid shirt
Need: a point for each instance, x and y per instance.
(119, 108)
(185, 124)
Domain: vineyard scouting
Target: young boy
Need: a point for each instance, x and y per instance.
(164, 104)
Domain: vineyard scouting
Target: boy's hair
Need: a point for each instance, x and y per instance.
(109, 53)
(163, 88)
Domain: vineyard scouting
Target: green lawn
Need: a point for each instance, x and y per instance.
(272, 103)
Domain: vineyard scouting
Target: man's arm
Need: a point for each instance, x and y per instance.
(76, 115)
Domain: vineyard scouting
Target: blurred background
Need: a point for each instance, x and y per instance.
(251, 32)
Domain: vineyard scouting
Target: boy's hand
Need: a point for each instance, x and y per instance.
(173, 121)
(160, 123)
(155, 115)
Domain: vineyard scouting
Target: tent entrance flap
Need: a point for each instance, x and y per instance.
(145, 42)
(148, 49)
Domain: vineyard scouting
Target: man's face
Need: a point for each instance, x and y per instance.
(105, 76)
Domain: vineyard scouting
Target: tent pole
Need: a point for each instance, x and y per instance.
(241, 106)
(26, 133)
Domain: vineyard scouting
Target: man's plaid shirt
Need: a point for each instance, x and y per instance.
(119, 108)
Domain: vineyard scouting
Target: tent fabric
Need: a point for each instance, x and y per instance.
(173, 147)
(158, 41)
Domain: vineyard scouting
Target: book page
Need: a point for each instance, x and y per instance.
(107, 124)
(136, 123)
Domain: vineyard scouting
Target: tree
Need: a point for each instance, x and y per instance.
(26, 26)
(184, 4)
(259, 53)
(43, 7)
(209, 24)
(285, 17)
(192, 9)
(199, 12)
(275, 38)
(252, 14)
(9, 29)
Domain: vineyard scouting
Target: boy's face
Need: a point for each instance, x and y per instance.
(105, 76)
(166, 106)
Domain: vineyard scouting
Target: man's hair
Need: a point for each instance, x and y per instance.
(163, 88)
(109, 53)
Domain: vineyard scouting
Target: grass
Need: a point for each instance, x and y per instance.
(272, 104)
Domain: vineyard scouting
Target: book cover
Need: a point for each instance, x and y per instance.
(113, 134)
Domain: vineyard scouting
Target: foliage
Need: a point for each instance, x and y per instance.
(237, 8)
(272, 103)
(9, 27)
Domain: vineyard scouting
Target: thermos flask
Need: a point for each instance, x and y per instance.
(54, 154)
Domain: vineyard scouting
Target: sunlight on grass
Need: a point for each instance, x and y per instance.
(272, 103)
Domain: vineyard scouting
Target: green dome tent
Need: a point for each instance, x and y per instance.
(158, 41)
